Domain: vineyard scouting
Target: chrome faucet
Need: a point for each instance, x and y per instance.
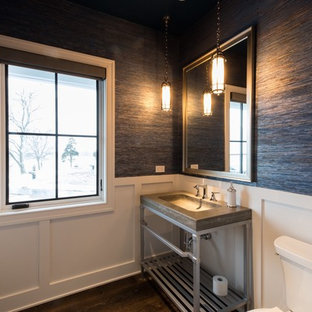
(204, 187)
(213, 196)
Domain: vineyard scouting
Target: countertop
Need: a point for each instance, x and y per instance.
(198, 220)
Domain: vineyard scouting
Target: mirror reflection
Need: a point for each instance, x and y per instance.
(217, 137)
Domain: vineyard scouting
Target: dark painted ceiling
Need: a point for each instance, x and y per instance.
(151, 12)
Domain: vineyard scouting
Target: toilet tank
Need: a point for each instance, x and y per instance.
(296, 257)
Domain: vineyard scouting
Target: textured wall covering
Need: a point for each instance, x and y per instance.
(145, 136)
(283, 83)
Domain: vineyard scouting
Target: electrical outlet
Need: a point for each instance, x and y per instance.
(194, 166)
(159, 169)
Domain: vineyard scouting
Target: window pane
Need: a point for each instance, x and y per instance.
(31, 167)
(244, 164)
(235, 148)
(244, 122)
(77, 105)
(235, 156)
(235, 121)
(77, 166)
(31, 100)
(235, 163)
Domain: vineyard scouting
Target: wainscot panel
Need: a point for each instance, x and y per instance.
(62, 254)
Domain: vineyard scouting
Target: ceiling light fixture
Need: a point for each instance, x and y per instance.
(166, 86)
(218, 61)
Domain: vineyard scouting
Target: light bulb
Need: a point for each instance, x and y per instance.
(218, 73)
(207, 105)
(165, 100)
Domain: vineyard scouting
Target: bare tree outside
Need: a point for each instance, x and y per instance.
(40, 148)
(21, 119)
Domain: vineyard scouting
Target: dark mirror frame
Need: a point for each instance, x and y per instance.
(249, 35)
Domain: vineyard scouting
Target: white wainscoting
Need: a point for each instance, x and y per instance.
(275, 213)
(19, 249)
(50, 255)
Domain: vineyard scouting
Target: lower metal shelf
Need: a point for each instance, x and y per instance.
(174, 275)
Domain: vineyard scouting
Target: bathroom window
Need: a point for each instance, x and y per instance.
(52, 135)
(57, 126)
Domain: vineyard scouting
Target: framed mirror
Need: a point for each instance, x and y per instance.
(219, 144)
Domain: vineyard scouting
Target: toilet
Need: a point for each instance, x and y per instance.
(296, 258)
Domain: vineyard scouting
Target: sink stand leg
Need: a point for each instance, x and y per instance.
(142, 237)
(196, 272)
(248, 289)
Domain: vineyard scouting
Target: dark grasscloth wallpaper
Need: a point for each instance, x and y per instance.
(283, 127)
(146, 136)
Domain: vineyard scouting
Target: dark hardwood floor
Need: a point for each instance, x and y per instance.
(133, 294)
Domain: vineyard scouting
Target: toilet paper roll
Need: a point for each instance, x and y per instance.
(220, 285)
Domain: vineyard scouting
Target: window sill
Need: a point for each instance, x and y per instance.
(35, 214)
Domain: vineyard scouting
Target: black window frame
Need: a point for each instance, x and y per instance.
(99, 82)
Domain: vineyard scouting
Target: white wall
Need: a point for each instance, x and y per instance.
(48, 255)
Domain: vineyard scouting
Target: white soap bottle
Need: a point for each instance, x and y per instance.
(231, 196)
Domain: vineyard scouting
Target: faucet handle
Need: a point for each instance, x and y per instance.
(213, 196)
(197, 189)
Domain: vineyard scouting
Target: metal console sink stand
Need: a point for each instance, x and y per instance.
(179, 272)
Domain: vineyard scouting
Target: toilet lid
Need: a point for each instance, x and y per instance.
(276, 309)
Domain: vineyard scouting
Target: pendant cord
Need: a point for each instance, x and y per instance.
(207, 76)
(218, 25)
(166, 21)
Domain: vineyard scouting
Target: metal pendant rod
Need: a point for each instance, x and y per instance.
(166, 22)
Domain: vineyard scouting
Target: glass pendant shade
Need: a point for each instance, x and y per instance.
(218, 61)
(207, 104)
(165, 100)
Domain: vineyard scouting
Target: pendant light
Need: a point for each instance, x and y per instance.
(166, 86)
(207, 103)
(218, 61)
(207, 98)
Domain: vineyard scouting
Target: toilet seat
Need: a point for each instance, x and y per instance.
(276, 309)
